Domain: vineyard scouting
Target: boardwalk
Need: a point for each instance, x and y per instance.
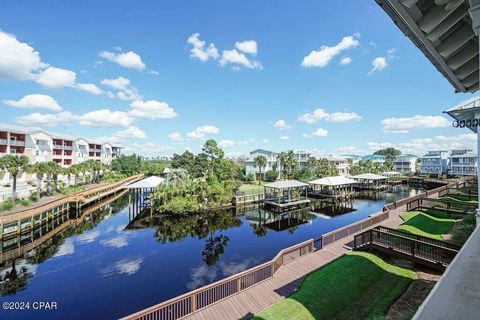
(285, 282)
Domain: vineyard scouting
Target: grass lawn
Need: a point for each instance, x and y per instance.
(253, 188)
(423, 224)
(359, 285)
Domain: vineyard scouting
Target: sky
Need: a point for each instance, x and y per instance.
(161, 77)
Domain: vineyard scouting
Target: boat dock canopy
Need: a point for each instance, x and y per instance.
(287, 184)
(150, 182)
(369, 176)
(390, 173)
(333, 181)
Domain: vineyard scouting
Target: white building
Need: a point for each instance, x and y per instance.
(341, 163)
(375, 158)
(302, 157)
(463, 162)
(434, 162)
(351, 158)
(271, 161)
(405, 163)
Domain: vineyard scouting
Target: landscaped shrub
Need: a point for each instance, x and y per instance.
(250, 177)
(26, 202)
(271, 175)
(7, 204)
(33, 197)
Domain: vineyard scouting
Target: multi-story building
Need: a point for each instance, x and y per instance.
(271, 161)
(302, 157)
(351, 158)
(405, 163)
(463, 162)
(341, 163)
(375, 158)
(434, 162)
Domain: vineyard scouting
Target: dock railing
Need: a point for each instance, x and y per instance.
(198, 299)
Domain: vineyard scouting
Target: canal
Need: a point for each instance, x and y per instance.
(109, 265)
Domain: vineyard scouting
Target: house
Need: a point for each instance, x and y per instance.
(434, 162)
(271, 161)
(340, 163)
(463, 162)
(375, 158)
(405, 163)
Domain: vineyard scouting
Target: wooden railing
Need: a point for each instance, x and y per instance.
(421, 250)
(248, 199)
(198, 299)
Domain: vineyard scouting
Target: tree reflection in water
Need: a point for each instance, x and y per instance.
(14, 280)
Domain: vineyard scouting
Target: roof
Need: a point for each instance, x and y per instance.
(465, 155)
(336, 158)
(352, 156)
(369, 176)
(286, 184)
(444, 33)
(406, 155)
(467, 110)
(150, 182)
(390, 173)
(372, 156)
(333, 181)
(19, 129)
(262, 150)
(167, 170)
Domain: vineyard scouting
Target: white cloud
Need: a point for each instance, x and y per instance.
(199, 51)
(35, 101)
(248, 46)
(265, 141)
(320, 133)
(345, 61)
(201, 132)
(18, 60)
(237, 59)
(343, 117)
(349, 150)
(125, 90)
(46, 120)
(132, 132)
(404, 125)
(322, 57)
(129, 59)
(148, 149)
(116, 242)
(89, 87)
(175, 136)
(246, 142)
(226, 143)
(316, 115)
(151, 110)
(284, 138)
(106, 118)
(378, 64)
(54, 78)
(281, 124)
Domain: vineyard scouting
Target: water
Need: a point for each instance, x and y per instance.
(107, 267)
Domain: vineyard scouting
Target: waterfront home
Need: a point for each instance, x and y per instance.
(302, 157)
(271, 161)
(340, 163)
(375, 158)
(463, 162)
(434, 162)
(405, 163)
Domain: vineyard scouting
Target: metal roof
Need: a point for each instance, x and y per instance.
(369, 176)
(333, 181)
(442, 30)
(467, 110)
(150, 182)
(286, 184)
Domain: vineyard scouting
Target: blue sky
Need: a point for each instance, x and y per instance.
(160, 77)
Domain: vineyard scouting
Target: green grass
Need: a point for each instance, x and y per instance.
(464, 229)
(423, 224)
(359, 285)
(252, 188)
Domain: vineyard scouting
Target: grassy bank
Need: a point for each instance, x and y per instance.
(359, 285)
(425, 223)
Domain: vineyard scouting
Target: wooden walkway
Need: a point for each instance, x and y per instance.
(286, 281)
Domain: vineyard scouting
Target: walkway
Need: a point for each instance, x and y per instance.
(286, 281)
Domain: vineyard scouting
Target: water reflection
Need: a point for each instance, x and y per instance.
(16, 278)
(124, 266)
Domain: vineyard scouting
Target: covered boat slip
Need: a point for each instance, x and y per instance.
(142, 190)
(337, 188)
(281, 196)
(370, 181)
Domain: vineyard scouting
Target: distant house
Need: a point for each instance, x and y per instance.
(405, 163)
(375, 158)
(302, 157)
(271, 160)
(341, 163)
(434, 162)
(351, 158)
(463, 162)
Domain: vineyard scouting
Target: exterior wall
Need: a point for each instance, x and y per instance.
(271, 160)
(405, 164)
(435, 162)
(340, 163)
(302, 157)
(374, 158)
(463, 163)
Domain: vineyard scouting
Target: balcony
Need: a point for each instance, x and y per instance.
(17, 143)
(3, 141)
(65, 147)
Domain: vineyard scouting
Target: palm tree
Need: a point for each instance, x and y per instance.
(260, 162)
(282, 156)
(83, 168)
(312, 164)
(74, 170)
(39, 169)
(290, 163)
(53, 169)
(14, 165)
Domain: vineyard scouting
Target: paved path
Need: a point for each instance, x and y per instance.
(286, 281)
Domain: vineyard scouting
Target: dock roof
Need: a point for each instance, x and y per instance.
(150, 182)
(286, 184)
(369, 176)
(333, 181)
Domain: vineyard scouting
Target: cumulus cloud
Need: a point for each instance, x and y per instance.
(125, 90)
(54, 78)
(321, 114)
(89, 87)
(226, 143)
(349, 150)
(148, 149)
(320, 133)
(199, 51)
(34, 101)
(281, 124)
(132, 132)
(246, 142)
(248, 46)
(130, 59)
(238, 59)
(378, 64)
(265, 141)
(151, 110)
(106, 118)
(405, 125)
(175, 136)
(322, 57)
(47, 120)
(18, 60)
(345, 61)
(201, 132)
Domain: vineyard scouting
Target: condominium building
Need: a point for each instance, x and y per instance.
(463, 162)
(434, 162)
(405, 163)
(341, 163)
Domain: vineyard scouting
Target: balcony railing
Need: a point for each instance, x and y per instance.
(67, 147)
(3, 141)
(17, 143)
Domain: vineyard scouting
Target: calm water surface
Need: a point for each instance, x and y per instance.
(110, 266)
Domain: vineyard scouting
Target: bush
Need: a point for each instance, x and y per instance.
(271, 175)
(250, 177)
(7, 185)
(26, 202)
(7, 204)
(33, 197)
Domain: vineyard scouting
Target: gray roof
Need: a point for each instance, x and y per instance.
(333, 181)
(465, 155)
(369, 176)
(444, 33)
(286, 184)
(465, 111)
(150, 182)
